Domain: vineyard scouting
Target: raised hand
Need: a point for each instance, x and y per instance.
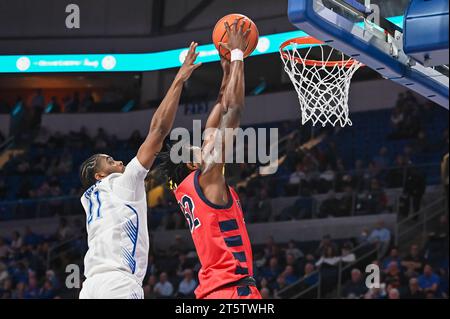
(237, 38)
(188, 66)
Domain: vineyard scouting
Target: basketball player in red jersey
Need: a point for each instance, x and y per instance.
(210, 206)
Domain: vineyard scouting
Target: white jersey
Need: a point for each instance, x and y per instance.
(116, 212)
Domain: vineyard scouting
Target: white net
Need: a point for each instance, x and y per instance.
(322, 84)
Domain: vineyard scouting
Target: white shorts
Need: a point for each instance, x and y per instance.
(111, 285)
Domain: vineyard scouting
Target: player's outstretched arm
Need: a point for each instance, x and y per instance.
(164, 116)
(216, 114)
(233, 97)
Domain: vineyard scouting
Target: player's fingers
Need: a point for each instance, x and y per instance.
(241, 28)
(196, 66)
(247, 33)
(227, 27)
(224, 45)
(235, 25)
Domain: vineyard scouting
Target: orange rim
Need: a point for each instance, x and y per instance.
(313, 41)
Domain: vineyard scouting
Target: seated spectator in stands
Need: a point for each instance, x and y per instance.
(187, 285)
(393, 276)
(413, 261)
(272, 271)
(265, 293)
(429, 282)
(364, 237)
(163, 288)
(347, 256)
(5, 250)
(310, 277)
(289, 275)
(30, 238)
(381, 160)
(324, 245)
(394, 294)
(149, 288)
(326, 180)
(291, 261)
(183, 265)
(413, 291)
(270, 242)
(356, 287)
(19, 291)
(293, 250)
(64, 231)
(47, 292)
(17, 241)
(381, 237)
(4, 275)
(279, 284)
(32, 290)
(295, 180)
(375, 200)
(393, 257)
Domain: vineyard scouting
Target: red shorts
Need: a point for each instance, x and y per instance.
(237, 292)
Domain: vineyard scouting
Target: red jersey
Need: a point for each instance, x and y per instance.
(219, 235)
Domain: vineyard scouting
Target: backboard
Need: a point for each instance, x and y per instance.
(369, 31)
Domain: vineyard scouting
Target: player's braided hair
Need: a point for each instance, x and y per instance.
(172, 173)
(88, 170)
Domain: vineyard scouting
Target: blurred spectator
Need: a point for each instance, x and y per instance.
(294, 250)
(187, 285)
(324, 245)
(47, 292)
(429, 281)
(149, 288)
(5, 250)
(265, 293)
(413, 261)
(272, 271)
(356, 288)
(413, 291)
(393, 257)
(163, 288)
(393, 277)
(17, 241)
(381, 161)
(289, 275)
(381, 237)
(64, 231)
(311, 277)
(394, 294)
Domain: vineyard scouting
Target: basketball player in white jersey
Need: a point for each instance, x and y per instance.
(116, 207)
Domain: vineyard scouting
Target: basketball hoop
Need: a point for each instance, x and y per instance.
(323, 83)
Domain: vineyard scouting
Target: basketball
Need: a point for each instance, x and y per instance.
(220, 34)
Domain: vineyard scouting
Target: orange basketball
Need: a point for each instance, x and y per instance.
(220, 34)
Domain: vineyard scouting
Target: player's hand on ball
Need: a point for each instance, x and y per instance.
(237, 38)
(188, 66)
